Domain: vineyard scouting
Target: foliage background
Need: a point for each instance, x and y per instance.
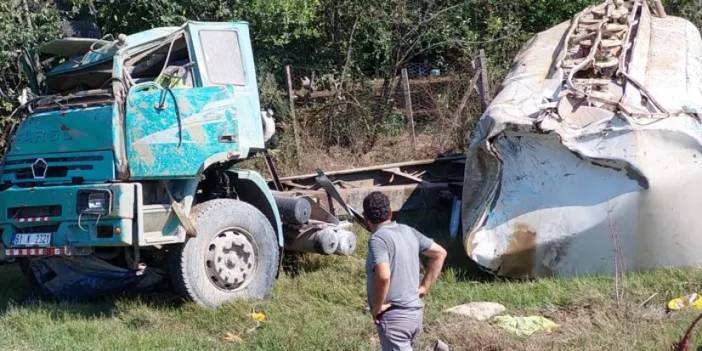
(309, 32)
(352, 40)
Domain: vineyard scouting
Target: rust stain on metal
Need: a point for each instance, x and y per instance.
(402, 197)
(409, 185)
(518, 260)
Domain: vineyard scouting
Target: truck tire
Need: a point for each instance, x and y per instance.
(234, 255)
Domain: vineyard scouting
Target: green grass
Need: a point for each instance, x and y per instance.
(321, 306)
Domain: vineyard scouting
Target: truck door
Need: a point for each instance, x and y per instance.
(225, 58)
(173, 132)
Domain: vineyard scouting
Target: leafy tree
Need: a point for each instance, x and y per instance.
(276, 25)
(24, 24)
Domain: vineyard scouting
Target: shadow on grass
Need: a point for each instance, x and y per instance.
(296, 263)
(434, 224)
(17, 293)
(292, 264)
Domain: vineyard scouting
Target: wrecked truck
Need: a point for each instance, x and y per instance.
(587, 161)
(125, 168)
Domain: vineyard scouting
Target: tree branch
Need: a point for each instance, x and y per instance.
(431, 18)
(349, 51)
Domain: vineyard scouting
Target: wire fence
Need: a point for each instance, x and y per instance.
(435, 107)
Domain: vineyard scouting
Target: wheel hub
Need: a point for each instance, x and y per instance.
(231, 259)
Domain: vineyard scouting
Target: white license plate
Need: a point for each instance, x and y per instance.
(32, 240)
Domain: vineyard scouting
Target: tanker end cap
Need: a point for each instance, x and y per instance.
(324, 240)
(294, 210)
(347, 243)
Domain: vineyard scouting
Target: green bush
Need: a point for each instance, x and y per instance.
(22, 28)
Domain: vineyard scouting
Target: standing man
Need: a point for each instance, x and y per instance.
(392, 269)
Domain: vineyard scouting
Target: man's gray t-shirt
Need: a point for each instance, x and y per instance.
(399, 246)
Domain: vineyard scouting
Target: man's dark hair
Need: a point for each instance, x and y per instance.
(376, 207)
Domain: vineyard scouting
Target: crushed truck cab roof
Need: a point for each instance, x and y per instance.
(89, 52)
(587, 162)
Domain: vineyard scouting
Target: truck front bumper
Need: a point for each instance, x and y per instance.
(57, 210)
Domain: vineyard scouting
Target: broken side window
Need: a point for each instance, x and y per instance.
(76, 64)
(148, 67)
(96, 77)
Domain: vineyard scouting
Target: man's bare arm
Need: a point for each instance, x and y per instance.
(381, 286)
(436, 255)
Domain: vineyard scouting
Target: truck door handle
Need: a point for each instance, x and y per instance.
(227, 139)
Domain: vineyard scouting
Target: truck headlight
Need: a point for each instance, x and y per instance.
(97, 202)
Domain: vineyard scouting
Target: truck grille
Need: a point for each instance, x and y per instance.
(29, 161)
(51, 172)
(38, 229)
(37, 171)
(25, 169)
(33, 212)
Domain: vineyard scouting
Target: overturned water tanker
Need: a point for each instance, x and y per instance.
(587, 161)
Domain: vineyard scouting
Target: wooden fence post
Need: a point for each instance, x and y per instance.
(484, 81)
(408, 106)
(291, 99)
(464, 100)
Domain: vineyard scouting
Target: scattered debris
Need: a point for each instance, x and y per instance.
(693, 300)
(439, 345)
(525, 326)
(258, 316)
(648, 300)
(84, 278)
(481, 311)
(231, 337)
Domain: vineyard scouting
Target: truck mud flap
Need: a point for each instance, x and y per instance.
(89, 278)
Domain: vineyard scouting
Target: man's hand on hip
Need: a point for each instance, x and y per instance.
(422, 291)
(376, 314)
(436, 255)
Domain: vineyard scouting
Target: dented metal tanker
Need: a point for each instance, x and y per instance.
(587, 161)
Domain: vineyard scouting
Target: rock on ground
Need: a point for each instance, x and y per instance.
(478, 310)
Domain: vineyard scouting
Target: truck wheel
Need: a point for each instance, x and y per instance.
(233, 256)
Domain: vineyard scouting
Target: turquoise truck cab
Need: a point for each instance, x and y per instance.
(130, 150)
